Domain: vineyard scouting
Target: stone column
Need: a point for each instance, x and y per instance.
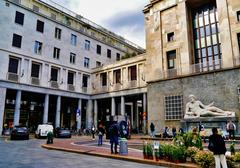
(17, 108)
(79, 118)
(144, 112)
(2, 106)
(45, 113)
(113, 112)
(58, 111)
(95, 113)
(122, 105)
(89, 114)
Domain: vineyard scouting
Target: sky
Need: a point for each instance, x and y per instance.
(123, 17)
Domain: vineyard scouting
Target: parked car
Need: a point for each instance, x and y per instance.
(42, 130)
(19, 132)
(63, 133)
(6, 132)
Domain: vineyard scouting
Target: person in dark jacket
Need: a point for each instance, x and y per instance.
(114, 134)
(218, 147)
(152, 129)
(101, 132)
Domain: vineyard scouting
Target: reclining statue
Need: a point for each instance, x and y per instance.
(195, 108)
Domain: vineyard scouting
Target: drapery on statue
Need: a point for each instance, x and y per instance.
(195, 109)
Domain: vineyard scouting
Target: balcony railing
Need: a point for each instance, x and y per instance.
(54, 84)
(12, 77)
(35, 81)
(84, 89)
(117, 86)
(71, 87)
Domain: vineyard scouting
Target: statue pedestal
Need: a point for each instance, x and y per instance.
(208, 122)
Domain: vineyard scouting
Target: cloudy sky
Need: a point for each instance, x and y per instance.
(123, 17)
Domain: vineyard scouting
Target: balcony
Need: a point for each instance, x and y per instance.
(13, 77)
(84, 89)
(132, 83)
(71, 87)
(117, 86)
(54, 84)
(35, 81)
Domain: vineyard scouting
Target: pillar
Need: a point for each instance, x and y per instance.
(122, 105)
(17, 108)
(95, 113)
(79, 116)
(2, 106)
(58, 111)
(89, 114)
(45, 113)
(144, 113)
(113, 112)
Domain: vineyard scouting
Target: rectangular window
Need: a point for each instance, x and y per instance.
(98, 64)
(70, 78)
(17, 41)
(173, 107)
(109, 53)
(117, 76)
(85, 80)
(35, 70)
(19, 18)
(87, 45)
(86, 62)
(40, 26)
(38, 47)
(73, 39)
(13, 65)
(171, 58)
(56, 53)
(58, 33)
(103, 77)
(54, 74)
(99, 48)
(72, 58)
(238, 16)
(118, 57)
(170, 36)
(133, 72)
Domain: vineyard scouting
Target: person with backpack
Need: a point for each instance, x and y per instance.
(218, 147)
(231, 127)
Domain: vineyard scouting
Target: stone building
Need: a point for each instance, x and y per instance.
(47, 56)
(193, 47)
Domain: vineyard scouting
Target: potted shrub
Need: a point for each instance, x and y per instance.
(145, 150)
(232, 148)
(157, 155)
(191, 152)
(149, 151)
(204, 158)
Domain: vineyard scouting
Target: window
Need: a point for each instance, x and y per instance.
(238, 38)
(118, 57)
(85, 80)
(17, 41)
(99, 49)
(72, 58)
(56, 53)
(117, 76)
(40, 26)
(174, 107)
(73, 39)
(132, 73)
(103, 77)
(58, 33)
(171, 58)
(87, 45)
(86, 62)
(170, 36)
(109, 53)
(70, 78)
(54, 74)
(13, 65)
(38, 47)
(238, 16)
(19, 18)
(35, 70)
(98, 64)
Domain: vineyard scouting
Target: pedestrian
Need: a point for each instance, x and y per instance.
(101, 132)
(114, 134)
(231, 127)
(174, 132)
(165, 133)
(218, 147)
(93, 129)
(152, 129)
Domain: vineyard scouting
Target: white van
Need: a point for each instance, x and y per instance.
(43, 130)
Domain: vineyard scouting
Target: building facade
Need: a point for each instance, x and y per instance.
(47, 58)
(192, 48)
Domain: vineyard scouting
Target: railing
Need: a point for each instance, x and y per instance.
(71, 87)
(12, 77)
(54, 84)
(35, 81)
(84, 89)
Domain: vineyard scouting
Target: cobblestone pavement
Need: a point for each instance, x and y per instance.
(30, 154)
